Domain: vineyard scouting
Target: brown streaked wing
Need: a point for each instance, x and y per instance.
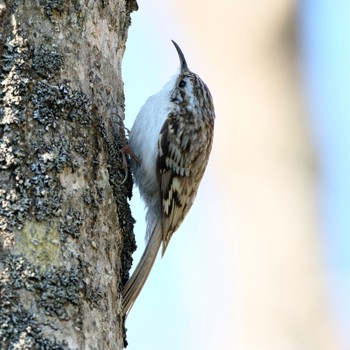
(177, 188)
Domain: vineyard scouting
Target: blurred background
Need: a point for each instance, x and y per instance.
(262, 260)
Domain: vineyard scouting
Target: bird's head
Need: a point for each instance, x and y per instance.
(190, 91)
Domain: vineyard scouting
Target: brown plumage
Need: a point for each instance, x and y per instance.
(172, 136)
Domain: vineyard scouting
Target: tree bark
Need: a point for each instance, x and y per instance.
(65, 224)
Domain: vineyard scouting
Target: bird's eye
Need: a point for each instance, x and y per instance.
(182, 83)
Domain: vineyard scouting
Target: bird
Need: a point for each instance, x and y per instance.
(171, 140)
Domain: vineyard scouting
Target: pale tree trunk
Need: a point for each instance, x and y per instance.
(65, 225)
(273, 295)
(279, 278)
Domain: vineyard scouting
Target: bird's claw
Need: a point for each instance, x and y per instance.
(127, 150)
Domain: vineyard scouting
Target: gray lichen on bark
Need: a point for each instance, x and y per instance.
(65, 225)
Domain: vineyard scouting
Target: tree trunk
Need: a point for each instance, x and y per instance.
(270, 279)
(65, 225)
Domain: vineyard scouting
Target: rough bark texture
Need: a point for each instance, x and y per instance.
(65, 225)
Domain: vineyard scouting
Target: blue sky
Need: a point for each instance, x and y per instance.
(324, 32)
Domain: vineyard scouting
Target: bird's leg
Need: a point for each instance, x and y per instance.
(126, 150)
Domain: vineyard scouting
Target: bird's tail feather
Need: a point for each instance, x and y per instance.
(134, 286)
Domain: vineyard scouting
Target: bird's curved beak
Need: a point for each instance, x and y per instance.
(183, 62)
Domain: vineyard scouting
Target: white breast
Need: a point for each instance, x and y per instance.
(144, 138)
